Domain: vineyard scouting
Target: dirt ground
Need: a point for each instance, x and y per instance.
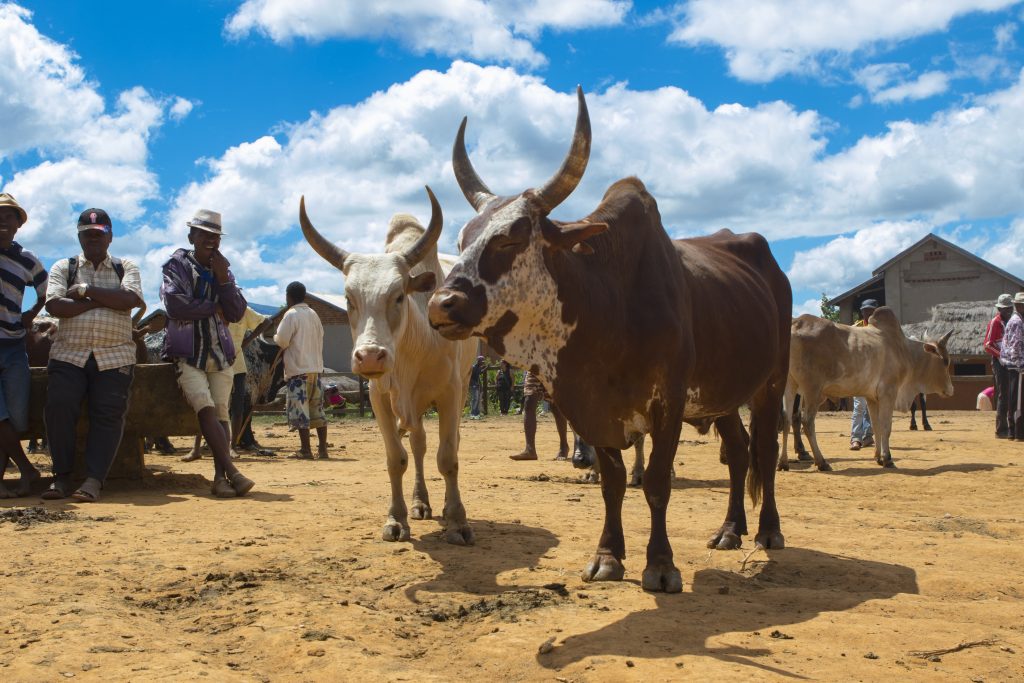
(160, 581)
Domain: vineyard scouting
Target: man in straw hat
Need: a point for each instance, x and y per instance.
(201, 298)
(19, 268)
(1000, 375)
(93, 355)
(1011, 356)
(860, 420)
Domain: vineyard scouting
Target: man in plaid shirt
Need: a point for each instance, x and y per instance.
(1012, 358)
(93, 355)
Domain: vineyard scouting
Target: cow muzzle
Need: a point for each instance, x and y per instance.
(371, 361)
(448, 312)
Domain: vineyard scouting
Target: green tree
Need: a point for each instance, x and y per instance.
(829, 311)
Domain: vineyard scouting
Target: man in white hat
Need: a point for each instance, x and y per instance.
(1012, 358)
(860, 420)
(93, 355)
(19, 269)
(201, 298)
(1000, 375)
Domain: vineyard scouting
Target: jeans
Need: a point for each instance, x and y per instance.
(108, 392)
(1001, 379)
(504, 400)
(860, 423)
(1015, 427)
(15, 380)
(475, 394)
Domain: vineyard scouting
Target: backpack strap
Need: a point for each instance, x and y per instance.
(72, 270)
(118, 268)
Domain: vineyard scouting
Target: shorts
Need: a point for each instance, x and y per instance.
(210, 388)
(15, 378)
(532, 386)
(306, 402)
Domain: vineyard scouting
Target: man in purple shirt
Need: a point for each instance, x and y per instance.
(1012, 358)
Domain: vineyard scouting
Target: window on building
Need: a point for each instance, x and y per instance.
(935, 255)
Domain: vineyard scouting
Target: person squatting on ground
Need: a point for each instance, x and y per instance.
(860, 421)
(476, 386)
(201, 298)
(1011, 357)
(533, 393)
(250, 322)
(19, 268)
(93, 355)
(1000, 375)
(503, 386)
(301, 336)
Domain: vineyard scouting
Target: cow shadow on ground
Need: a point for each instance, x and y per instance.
(500, 547)
(871, 470)
(794, 586)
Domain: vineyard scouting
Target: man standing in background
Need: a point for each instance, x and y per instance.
(301, 335)
(1000, 375)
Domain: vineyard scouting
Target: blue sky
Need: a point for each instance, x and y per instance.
(842, 140)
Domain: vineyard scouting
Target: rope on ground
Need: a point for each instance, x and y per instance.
(925, 654)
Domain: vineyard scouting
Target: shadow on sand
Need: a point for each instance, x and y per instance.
(869, 470)
(500, 547)
(796, 585)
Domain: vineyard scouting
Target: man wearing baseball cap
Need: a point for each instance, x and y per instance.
(93, 355)
(1000, 375)
(19, 268)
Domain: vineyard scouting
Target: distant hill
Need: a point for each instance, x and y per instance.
(264, 309)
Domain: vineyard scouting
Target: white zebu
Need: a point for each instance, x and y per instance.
(410, 366)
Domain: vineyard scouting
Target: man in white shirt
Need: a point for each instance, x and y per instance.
(301, 336)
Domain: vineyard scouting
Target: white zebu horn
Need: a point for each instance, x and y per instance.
(561, 185)
(476, 192)
(416, 252)
(331, 253)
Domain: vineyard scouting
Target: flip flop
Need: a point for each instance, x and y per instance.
(523, 456)
(89, 491)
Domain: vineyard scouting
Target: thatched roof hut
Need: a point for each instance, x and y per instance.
(967, 319)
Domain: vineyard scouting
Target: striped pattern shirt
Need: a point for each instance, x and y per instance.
(101, 332)
(19, 268)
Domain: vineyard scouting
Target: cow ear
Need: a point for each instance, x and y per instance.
(568, 235)
(424, 282)
(932, 349)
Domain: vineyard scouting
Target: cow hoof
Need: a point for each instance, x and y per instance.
(591, 477)
(927, 428)
(461, 534)
(888, 464)
(782, 466)
(725, 538)
(636, 480)
(662, 579)
(393, 531)
(824, 467)
(804, 456)
(421, 511)
(604, 568)
(913, 427)
(770, 540)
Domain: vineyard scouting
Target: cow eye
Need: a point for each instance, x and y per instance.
(400, 299)
(349, 304)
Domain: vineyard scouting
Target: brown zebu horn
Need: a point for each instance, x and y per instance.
(944, 338)
(332, 253)
(568, 176)
(416, 252)
(477, 194)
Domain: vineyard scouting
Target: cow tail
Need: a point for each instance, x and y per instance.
(755, 484)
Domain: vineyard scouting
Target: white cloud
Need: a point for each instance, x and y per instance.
(1004, 35)
(887, 83)
(84, 154)
(1007, 251)
(489, 30)
(181, 108)
(848, 260)
(764, 39)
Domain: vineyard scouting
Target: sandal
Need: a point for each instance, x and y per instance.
(855, 445)
(57, 490)
(222, 488)
(89, 491)
(241, 484)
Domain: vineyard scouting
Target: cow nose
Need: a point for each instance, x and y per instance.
(370, 360)
(444, 304)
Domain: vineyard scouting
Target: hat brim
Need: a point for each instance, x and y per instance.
(205, 228)
(1005, 306)
(104, 228)
(21, 212)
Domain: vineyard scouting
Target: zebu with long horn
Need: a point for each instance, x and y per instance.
(410, 366)
(632, 333)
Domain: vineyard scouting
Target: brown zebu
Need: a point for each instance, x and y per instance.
(633, 333)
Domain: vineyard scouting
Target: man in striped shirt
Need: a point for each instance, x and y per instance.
(92, 357)
(19, 268)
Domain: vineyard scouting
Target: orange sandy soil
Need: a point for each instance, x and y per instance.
(160, 581)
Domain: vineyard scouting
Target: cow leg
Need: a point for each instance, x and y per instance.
(789, 418)
(637, 476)
(924, 413)
(457, 529)
(798, 445)
(880, 411)
(913, 411)
(661, 574)
(810, 402)
(397, 526)
(611, 549)
(730, 430)
(420, 497)
(764, 450)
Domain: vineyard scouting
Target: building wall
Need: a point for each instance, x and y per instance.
(337, 336)
(932, 274)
